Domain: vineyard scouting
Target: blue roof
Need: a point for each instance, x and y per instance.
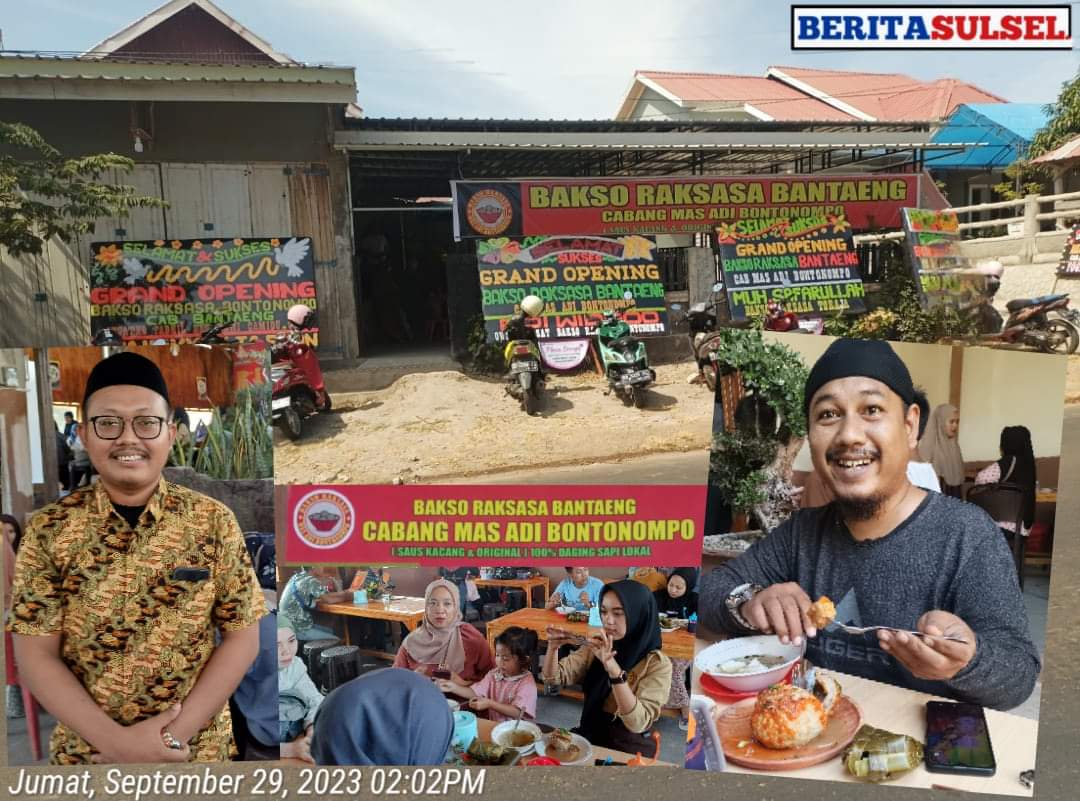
(1006, 129)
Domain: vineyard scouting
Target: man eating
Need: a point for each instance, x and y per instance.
(121, 586)
(887, 552)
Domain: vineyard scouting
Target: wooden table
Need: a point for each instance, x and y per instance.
(677, 644)
(485, 727)
(904, 712)
(523, 584)
(405, 610)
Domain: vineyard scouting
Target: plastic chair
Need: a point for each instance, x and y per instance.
(30, 706)
(1004, 502)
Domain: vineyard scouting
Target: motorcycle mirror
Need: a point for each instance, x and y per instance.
(717, 287)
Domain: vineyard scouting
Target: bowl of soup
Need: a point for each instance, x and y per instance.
(748, 664)
(523, 738)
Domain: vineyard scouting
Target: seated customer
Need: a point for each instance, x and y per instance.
(1016, 466)
(679, 600)
(888, 553)
(578, 589)
(625, 676)
(298, 697)
(509, 688)
(444, 641)
(301, 594)
(386, 717)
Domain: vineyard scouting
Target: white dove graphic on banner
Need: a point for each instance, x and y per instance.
(135, 270)
(291, 254)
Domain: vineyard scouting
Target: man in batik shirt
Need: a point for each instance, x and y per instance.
(121, 587)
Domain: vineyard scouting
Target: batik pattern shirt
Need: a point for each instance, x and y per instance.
(133, 635)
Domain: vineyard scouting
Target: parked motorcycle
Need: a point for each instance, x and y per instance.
(298, 390)
(704, 336)
(777, 318)
(1029, 322)
(625, 361)
(524, 376)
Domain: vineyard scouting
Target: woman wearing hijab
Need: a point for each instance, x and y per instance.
(1016, 466)
(679, 600)
(444, 641)
(941, 447)
(386, 717)
(625, 677)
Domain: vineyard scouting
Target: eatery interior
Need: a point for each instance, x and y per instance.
(367, 636)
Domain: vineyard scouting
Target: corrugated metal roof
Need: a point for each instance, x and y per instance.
(1003, 144)
(1070, 151)
(61, 69)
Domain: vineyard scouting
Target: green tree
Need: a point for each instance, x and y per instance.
(1063, 125)
(43, 194)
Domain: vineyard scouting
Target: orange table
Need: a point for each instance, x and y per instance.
(523, 584)
(677, 644)
(405, 610)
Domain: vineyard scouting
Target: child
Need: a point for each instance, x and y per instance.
(509, 688)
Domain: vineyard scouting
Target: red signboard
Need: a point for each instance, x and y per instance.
(495, 525)
(676, 205)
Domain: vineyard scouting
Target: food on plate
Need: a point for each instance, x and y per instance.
(577, 617)
(521, 738)
(668, 623)
(822, 612)
(878, 755)
(752, 663)
(827, 690)
(561, 746)
(786, 716)
(481, 753)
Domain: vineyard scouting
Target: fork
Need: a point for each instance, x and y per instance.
(865, 629)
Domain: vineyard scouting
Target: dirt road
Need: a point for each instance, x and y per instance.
(437, 427)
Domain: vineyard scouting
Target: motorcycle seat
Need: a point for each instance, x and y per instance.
(624, 342)
(1023, 303)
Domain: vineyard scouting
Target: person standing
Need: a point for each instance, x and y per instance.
(121, 590)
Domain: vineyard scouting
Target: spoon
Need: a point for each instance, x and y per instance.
(516, 722)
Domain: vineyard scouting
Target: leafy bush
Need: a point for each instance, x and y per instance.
(238, 444)
(484, 357)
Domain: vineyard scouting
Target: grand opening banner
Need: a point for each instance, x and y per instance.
(175, 290)
(495, 525)
(808, 265)
(945, 276)
(687, 204)
(578, 278)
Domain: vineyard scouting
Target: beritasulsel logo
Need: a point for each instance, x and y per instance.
(324, 519)
(931, 27)
(489, 212)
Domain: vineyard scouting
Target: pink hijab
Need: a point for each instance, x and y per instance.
(433, 646)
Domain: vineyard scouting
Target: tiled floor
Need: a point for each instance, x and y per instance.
(566, 712)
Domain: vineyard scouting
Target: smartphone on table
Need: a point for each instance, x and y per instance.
(958, 739)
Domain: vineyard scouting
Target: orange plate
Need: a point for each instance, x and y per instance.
(718, 692)
(733, 726)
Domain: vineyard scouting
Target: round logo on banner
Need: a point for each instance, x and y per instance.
(324, 519)
(489, 212)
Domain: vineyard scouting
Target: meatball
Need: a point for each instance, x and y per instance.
(787, 717)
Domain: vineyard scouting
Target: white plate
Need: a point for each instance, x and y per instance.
(564, 610)
(579, 741)
(508, 725)
(454, 705)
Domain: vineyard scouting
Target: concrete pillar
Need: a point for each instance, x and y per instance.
(700, 274)
(1031, 227)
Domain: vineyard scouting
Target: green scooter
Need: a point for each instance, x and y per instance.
(626, 363)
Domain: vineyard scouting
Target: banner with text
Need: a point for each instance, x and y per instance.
(578, 278)
(945, 276)
(495, 525)
(176, 290)
(808, 265)
(1070, 255)
(614, 206)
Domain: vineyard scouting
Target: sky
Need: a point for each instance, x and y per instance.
(553, 59)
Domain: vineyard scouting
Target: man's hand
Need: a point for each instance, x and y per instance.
(932, 658)
(142, 742)
(781, 609)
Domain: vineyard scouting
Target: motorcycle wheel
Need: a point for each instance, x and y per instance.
(710, 376)
(1061, 337)
(529, 402)
(291, 424)
(637, 395)
(327, 404)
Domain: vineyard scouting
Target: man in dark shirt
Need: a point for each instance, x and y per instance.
(886, 552)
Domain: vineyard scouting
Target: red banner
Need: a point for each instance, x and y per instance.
(495, 525)
(687, 204)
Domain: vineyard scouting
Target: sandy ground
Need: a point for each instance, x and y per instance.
(431, 427)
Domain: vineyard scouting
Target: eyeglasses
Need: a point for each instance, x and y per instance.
(145, 426)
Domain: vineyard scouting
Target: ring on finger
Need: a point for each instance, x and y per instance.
(170, 741)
